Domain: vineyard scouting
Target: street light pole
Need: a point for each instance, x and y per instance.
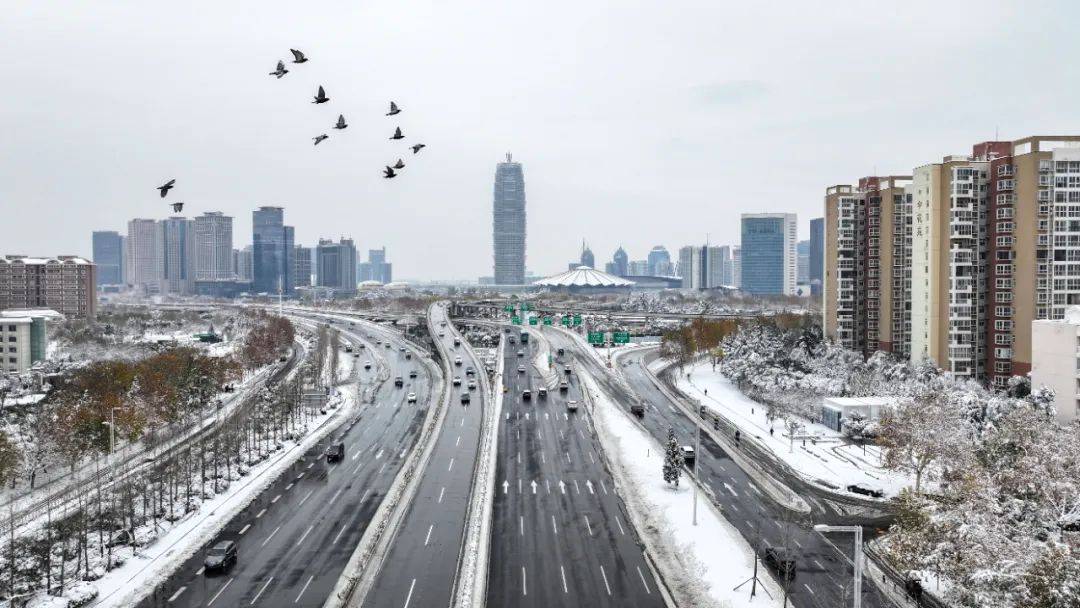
(697, 447)
(856, 591)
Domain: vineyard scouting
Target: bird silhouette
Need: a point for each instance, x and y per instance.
(318, 138)
(393, 109)
(397, 134)
(417, 148)
(177, 207)
(400, 164)
(280, 71)
(298, 57)
(165, 189)
(389, 173)
(321, 97)
(340, 122)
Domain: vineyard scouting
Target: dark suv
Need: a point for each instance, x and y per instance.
(780, 561)
(220, 556)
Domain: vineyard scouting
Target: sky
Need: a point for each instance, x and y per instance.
(637, 122)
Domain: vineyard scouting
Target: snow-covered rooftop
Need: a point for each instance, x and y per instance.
(64, 259)
(583, 276)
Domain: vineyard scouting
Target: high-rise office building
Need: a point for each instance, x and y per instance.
(660, 262)
(768, 253)
(108, 248)
(143, 260)
(719, 266)
(302, 265)
(177, 241)
(377, 268)
(802, 264)
(587, 257)
(816, 254)
(689, 268)
(213, 247)
(508, 223)
(243, 264)
(65, 284)
(335, 265)
(736, 266)
(272, 251)
(620, 263)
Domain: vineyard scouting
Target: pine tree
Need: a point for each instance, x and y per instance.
(673, 459)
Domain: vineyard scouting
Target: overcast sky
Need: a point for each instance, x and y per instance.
(637, 122)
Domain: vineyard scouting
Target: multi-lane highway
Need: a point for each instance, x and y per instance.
(560, 534)
(421, 566)
(295, 538)
(824, 574)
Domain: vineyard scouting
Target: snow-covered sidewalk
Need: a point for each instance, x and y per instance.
(701, 564)
(818, 453)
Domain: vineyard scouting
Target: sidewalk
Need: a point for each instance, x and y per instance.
(818, 453)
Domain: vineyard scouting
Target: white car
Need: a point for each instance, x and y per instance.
(472, 383)
(367, 364)
(457, 380)
(411, 398)
(521, 369)
(457, 360)
(571, 405)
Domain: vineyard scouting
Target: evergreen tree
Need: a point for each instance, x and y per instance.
(673, 459)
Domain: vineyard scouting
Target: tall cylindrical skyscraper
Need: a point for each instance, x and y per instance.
(509, 223)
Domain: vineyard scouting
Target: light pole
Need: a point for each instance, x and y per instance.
(697, 448)
(856, 591)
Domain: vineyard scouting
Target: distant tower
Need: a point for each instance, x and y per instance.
(587, 257)
(508, 225)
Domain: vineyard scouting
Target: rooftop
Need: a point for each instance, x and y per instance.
(583, 276)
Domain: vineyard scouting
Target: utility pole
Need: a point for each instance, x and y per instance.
(697, 448)
(856, 588)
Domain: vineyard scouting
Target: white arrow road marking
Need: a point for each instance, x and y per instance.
(562, 486)
(534, 486)
(378, 454)
(526, 415)
(263, 588)
(588, 484)
(505, 484)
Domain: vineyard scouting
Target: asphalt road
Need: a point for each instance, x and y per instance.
(420, 568)
(560, 534)
(295, 538)
(824, 574)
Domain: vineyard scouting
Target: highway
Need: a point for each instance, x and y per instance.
(560, 534)
(824, 574)
(295, 538)
(420, 568)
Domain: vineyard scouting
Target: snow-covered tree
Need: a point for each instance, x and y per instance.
(673, 459)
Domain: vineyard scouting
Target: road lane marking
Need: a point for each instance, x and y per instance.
(734, 508)
(306, 532)
(271, 536)
(357, 454)
(588, 525)
(576, 488)
(409, 597)
(288, 487)
(336, 494)
(173, 597)
(564, 588)
(220, 591)
(721, 467)
(275, 499)
(265, 585)
(297, 600)
(542, 457)
(819, 564)
(340, 532)
(244, 529)
(547, 485)
(457, 441)
(311, 465)
(382, 468)
(441, 494)
(778, 524)
(462, 421)
(808, 589)
(643, 580)
(730, 489)
(301, 475)
(568, 458)
(364, 497)
(519, 457)
(748, 524)
(200, 571)
(553, 526)
(428, 537)
(619, 521)
(524, 582)
(357, 469)
(591, 457)
(580, 433)
(606, 585)
(602, 486)
(451, 467)
(796, 543)
(310, 492)
(260, 514)
(521, 525)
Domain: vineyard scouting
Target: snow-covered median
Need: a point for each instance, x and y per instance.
(818, 453)
(701, 564)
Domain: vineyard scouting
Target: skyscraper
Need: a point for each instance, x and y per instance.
(736, 267)
(213, 247)
(336, 265)
(143, 255)
(587, 257)
(302, 263)
(620, 263)
(817, 254)
(176, 238)
(109, 257)
(243, 264)
(272, 251)
(802, 272)
(508, 224)
(377, 268)
(768, 253)
(659, 262)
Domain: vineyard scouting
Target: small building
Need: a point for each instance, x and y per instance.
(23, 338)
(835, 410)
(1055, 361)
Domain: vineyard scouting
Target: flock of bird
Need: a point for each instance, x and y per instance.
(389, 172)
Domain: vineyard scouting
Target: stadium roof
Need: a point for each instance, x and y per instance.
(583, 276)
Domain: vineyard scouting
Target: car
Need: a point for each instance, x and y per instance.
(526, 395)
(348, 349)
(469, 371)
(566, 370)
(388, 345)
(362, 347)
(412, 373)
(367, 364)
(689, 456)
(408, 355)
(457, 341)
(356, 355)
(521, 353)
(220, 556)
(442, 334)
(472, 383)
(465, 398)
(457, 380)
(506, 329)
(411, 398)
(780, 561)
(283, 358)
(457, 360)
(561, 352)
(571, 405)
(563, 386)
(521, 369)
(398, 381)
(637, 409)
(378, 342)
(858, 488)
(512, 340)
(335, 452)
(541, 393)
(401, 349)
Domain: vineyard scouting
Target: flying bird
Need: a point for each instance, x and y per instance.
(397, 134)
(417, 148)
(400, 164)
(298, 57)
(393, 109)
(177, 207)
(165, 189)
(389, 173)
(321, 97)
(340, 122)
(318, 139)
(280, 71)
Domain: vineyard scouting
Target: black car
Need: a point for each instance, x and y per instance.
(399, 381)
(561, 352)
(865, 491)
(780, 561)
(412, 373)
(220, 556)
(465, 398)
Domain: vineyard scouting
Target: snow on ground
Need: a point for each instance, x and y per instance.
(827, 459)
(703, 563)
(152, 564)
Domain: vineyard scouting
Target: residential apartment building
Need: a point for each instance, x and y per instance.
(302, 262)
(65, 284)
(336, 265)
(177, 241)
(144, 264)
(213, 247)
(23, 338)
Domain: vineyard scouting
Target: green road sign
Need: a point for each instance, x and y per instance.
(525, 307)
(620, 337)
(566, 320)
(577, 319)
(532, 320)
(547, 320)
(508, 308)
(596, 337)
(515, 320)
